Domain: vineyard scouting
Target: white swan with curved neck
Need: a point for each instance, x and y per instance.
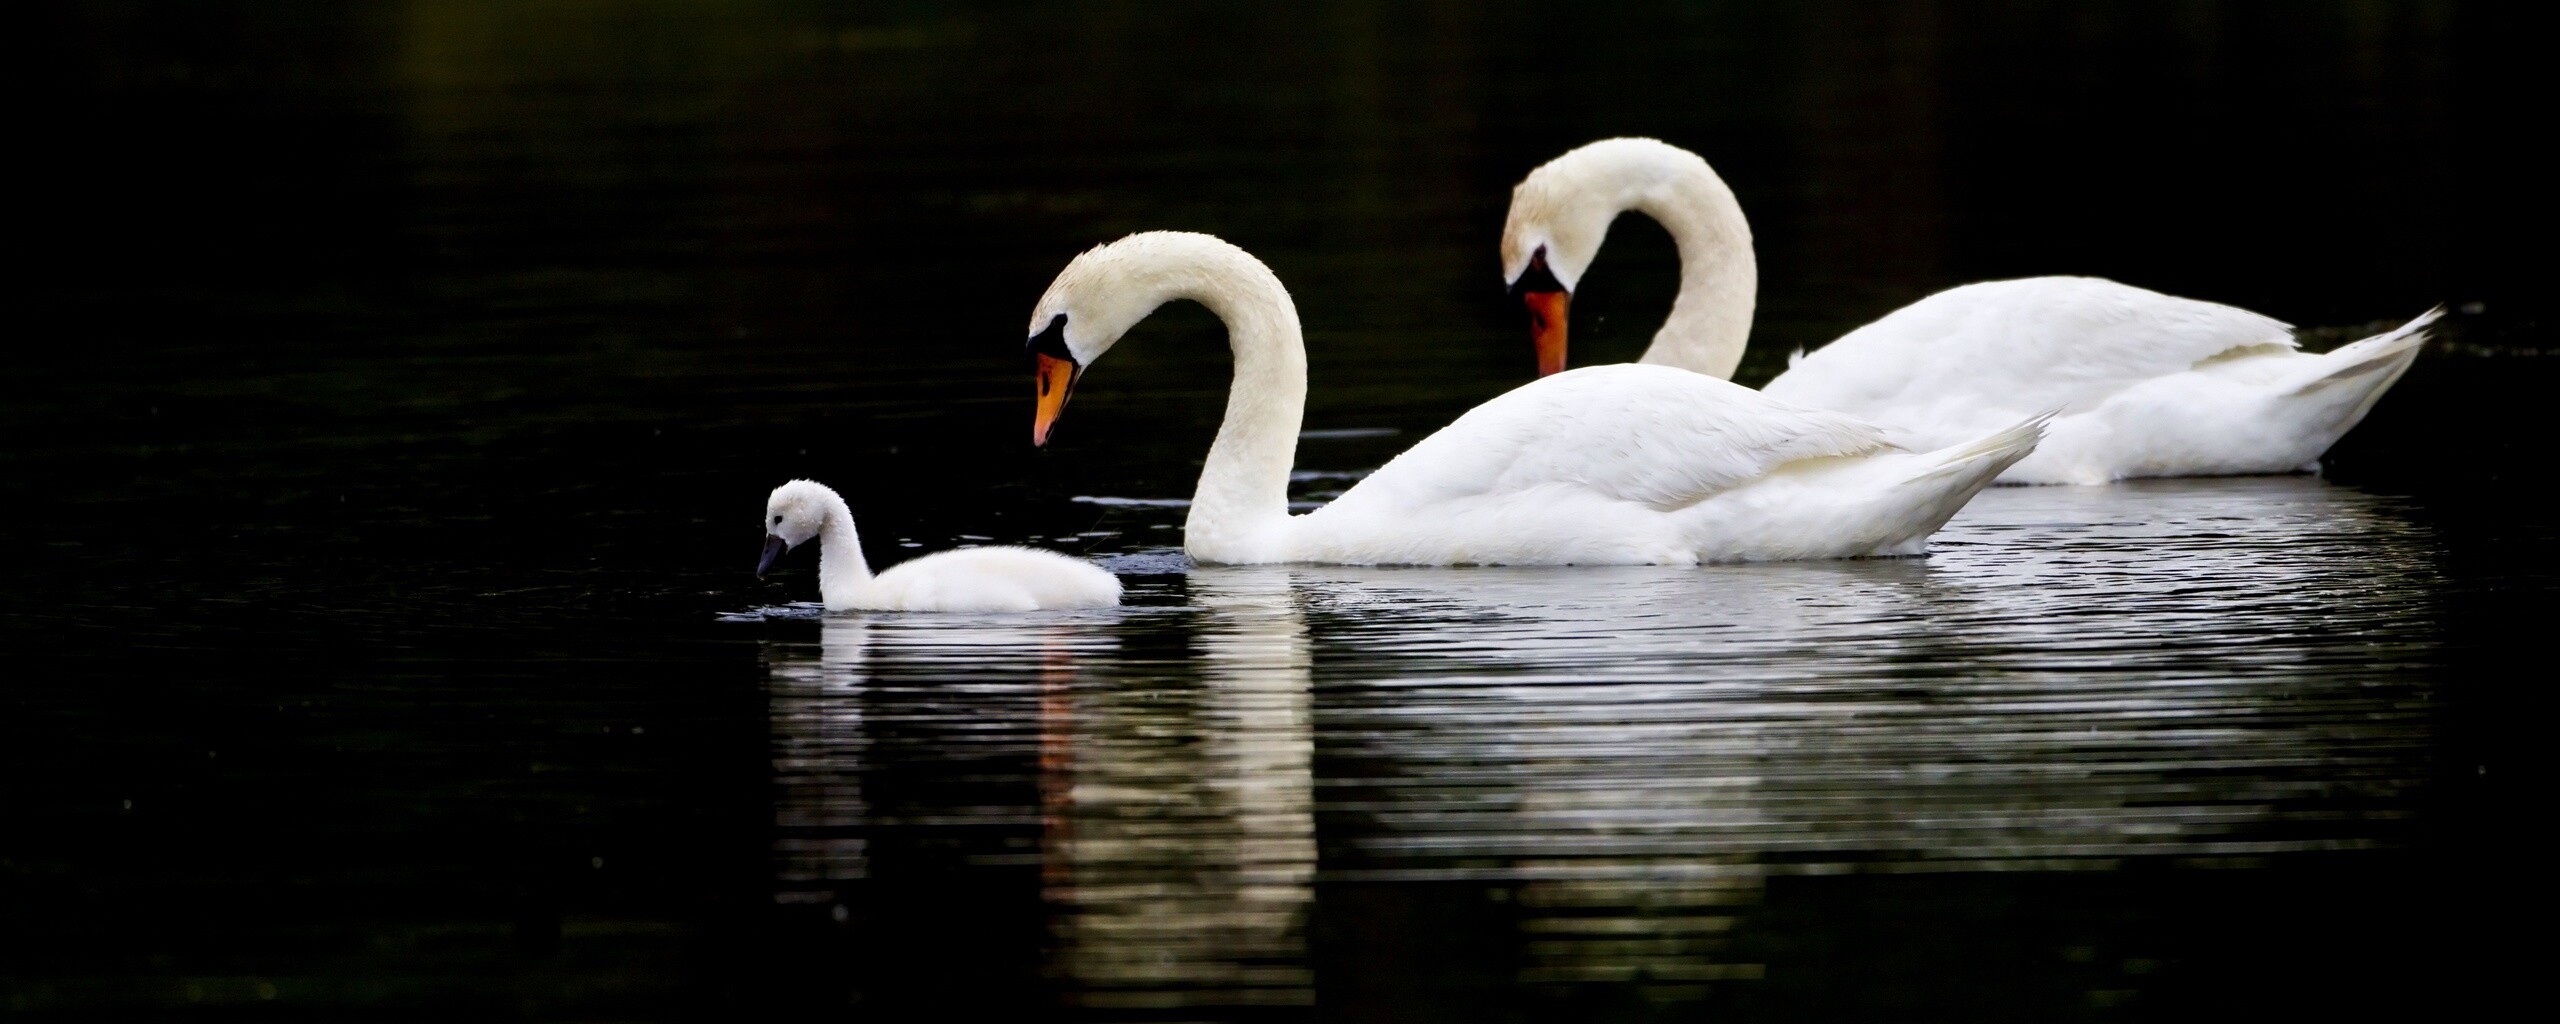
(1607, 465)
(2147, 384)
(998, 579)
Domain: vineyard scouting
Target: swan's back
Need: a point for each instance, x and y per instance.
(1971, 358)
(992, 579)
(1633, 464)
(2146, 384)
(1652, 435)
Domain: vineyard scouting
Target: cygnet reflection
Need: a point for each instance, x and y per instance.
(818, 743)
(874, 687)
(1176, 829)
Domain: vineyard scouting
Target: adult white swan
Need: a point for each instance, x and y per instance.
(1612, 464)
(1000, 579)
(2147, 384)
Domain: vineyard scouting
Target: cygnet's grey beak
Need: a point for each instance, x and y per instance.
(773, 549)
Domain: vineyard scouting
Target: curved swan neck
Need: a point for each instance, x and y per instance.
(1241, 509)
(1240, 513)
(841, 567)
(1710, 321)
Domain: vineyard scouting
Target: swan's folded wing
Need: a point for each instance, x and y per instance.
(1664, 437)
(2025, 345)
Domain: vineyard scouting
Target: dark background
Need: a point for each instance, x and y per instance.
(399, 378)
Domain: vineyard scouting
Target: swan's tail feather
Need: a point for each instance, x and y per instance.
(1878, 503)
(1949, 477)
(2382, 356)
(1997, 451)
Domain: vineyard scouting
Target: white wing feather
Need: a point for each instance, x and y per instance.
(990, 579)
(2011, 348)
(1653, 435)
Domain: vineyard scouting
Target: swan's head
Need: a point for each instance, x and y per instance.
(792, 514)
(1103, 292)
(1054, 370)
(1559, 216)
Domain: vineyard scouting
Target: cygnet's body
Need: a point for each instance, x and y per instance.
(998, 579)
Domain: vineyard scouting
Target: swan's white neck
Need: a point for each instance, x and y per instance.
(1710, 321)
(1241, 511)
(842, 571)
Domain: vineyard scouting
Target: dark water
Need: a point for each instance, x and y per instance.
(401, 383)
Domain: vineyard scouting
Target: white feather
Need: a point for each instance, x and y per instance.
(992, 579)
(1616, 464)
(2146, 384)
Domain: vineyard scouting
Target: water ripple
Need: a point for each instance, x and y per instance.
(2210, 672)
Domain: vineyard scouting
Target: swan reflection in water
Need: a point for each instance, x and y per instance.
(1176, 812)
(1180, 841)
(2196, 673)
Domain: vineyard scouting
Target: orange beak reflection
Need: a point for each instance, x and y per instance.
(1055, 377)
(1546, 327)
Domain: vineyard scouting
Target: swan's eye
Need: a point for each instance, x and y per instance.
(777, 520)
(1536, 277)
(1052, 340)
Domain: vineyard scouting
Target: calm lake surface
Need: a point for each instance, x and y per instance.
(383, 460)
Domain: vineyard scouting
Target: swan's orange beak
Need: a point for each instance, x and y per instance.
(1546, 327)
(1055, 377)
(1547, 299)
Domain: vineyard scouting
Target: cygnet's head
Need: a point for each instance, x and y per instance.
(792, 514)
(1559, 216)
(1105, 291)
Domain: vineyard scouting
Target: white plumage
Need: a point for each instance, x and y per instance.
(1606, 465)
(2145, 384)
(995, 579)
